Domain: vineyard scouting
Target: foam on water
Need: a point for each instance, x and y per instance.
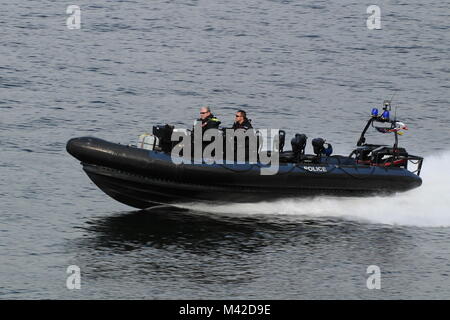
(426, 206)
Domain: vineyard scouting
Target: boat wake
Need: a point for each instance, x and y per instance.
(426, 206)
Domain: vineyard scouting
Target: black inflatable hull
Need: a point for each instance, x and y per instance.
(142, 178)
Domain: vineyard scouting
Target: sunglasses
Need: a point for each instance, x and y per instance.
(204, 112)
(238, 116)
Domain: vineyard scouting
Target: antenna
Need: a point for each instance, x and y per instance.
(392, 98)
(395, 111)
(388, 103)
(395, 114)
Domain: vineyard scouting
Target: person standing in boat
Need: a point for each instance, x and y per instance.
(241, 121)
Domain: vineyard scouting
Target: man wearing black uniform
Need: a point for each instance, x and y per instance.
(208, 120)
(241, 121)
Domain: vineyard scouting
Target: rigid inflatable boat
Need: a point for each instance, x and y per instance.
(145, 175)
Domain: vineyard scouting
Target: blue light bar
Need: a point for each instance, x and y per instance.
(374, 112)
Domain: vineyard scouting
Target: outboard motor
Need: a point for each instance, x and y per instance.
(164, 134)
(320, 149)
(298, 144)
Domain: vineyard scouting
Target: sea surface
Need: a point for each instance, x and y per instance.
(310, 67)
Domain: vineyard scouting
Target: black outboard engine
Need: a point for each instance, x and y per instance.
(320, 149)
(164, 134)
(298, 144)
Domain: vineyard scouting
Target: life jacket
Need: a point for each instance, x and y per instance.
(210, 122)
(244, 125)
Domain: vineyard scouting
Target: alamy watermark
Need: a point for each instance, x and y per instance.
(74, 279)
(374, 280)
(374, 20)
(74, 20)
(227, 147)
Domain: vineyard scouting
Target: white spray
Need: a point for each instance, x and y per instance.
(426, 206)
